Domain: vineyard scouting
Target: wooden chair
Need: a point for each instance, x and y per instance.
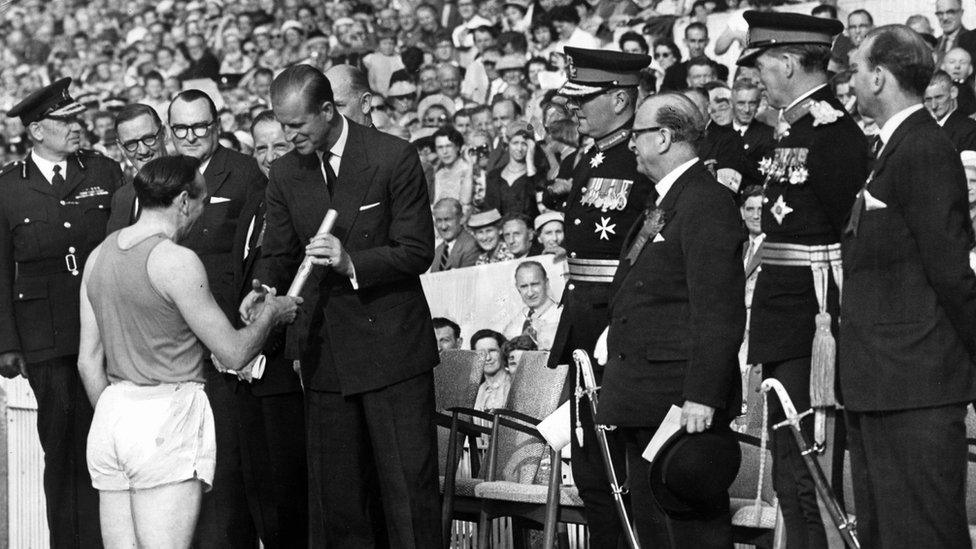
(514, 484)
(456, 382)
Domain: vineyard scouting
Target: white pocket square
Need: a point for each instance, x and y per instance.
(368, 206)
(658, 238)
(218, 200)
(871, 203)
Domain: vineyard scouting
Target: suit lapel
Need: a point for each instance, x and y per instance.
(354, 179)
(756, 259)
(216, 172)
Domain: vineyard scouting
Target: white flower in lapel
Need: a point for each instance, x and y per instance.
(823, 113)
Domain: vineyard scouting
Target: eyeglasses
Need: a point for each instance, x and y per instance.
(199, 130)
(147, 140)
(950, 13)
(479, 151)
(637, 132)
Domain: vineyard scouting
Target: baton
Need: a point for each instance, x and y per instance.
(305, 269)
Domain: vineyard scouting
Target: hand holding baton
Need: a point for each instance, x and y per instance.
(305, 269)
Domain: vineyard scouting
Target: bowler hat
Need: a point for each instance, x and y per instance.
(691, 474)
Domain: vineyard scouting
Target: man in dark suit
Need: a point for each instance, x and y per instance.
(270, 409)
(696, 40)
(812, 176)
(367, 364)
(457, 248)
(232, 179)
(720, 148)
(677, 314)
(954, 35)
(908, 340)
(940, 100)
(757, 137)
(53, 214)
(142, 138)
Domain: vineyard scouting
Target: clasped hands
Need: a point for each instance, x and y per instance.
(695, 417)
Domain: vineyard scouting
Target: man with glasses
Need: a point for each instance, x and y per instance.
(606, 197)
(954, 35)
(141, 138)
(53, 214)
(232, 178)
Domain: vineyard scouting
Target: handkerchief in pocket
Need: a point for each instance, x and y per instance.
(218, 199)
(871, 203)
(658, 238)
(368, 206)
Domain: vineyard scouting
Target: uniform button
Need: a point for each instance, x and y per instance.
(205, 231)
(26, 220)
(20, 296)
(765, 200)
(621, 356)
(639, 284)
(71, 249)
(583, 190)
(371, 320)
(573, 255)
(67, 225)
(63, 202)
(577, 221)
(571, 287)
(365, 234)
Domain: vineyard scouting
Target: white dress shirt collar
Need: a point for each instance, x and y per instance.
(204, 165)
(47, 167)
(942, 120)
(666, 182)
(892, 124)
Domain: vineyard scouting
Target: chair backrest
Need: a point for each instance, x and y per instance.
(747, 481)
(456, 381)
(535, 391)
(457, 377)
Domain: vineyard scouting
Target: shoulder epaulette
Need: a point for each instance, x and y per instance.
(10, 167)
(84, 154)
(613, 139)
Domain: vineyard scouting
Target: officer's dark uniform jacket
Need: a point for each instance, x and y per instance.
(46, 233)
(810, 181)
(606, 198)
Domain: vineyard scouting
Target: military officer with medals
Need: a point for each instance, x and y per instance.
(810, 182)
(607, 195)
(54, 210)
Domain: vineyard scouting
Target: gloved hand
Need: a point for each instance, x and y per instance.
(600, 350)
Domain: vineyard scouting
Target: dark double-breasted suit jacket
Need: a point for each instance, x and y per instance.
(381, 333)
(677, 314)
(908, 335)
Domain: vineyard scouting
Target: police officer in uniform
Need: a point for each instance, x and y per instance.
(606, 197)
(810, 182)
(54, 210)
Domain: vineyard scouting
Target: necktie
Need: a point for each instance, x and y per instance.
(876, 146)
(527, 328)
(58, 179)
(330, 175)
(442, 261)
(750, 251)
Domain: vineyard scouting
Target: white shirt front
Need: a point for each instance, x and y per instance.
(335, 153)
(544, 323)
(942, 120)
(664, 185)
(47, 167)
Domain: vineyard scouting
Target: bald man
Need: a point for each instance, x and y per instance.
(353, 98)
(959, 64)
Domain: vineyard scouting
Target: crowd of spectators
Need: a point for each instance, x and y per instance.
(472, 83)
